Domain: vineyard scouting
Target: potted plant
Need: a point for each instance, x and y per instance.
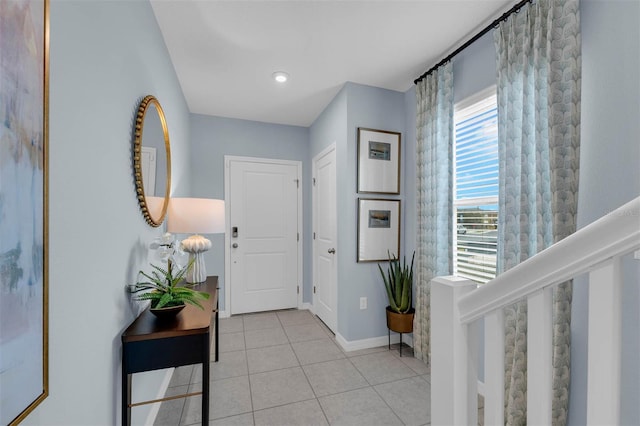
(398, 282)
(162, 289)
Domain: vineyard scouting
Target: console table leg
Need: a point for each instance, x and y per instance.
(217, 325)
(126, 398)
(205, 378)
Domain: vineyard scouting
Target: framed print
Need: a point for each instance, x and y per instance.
(378, 161)
(24, 45)
(378, 229)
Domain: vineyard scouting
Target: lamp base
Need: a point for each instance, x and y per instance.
(195, 245)
(197, 273)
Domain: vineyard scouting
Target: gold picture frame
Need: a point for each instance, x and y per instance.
(24, 296)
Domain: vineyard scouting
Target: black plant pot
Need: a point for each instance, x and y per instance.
(167, 312)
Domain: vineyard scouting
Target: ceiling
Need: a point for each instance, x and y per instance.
(225, 52)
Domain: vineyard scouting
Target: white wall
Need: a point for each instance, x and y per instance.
(105, 56)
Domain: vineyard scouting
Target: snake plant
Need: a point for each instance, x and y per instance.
(398, 282)
(163, 290)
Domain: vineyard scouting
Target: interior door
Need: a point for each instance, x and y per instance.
(325, 235)
(263, 225)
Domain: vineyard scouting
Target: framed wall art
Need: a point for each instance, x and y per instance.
(378, 229)
(24, 56)
(378, 161)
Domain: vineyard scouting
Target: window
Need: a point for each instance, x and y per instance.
(475, 191)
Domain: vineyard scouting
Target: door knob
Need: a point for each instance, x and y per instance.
(234, 245)
(331, 251)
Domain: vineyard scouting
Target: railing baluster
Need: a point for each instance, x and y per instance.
(597, 247)
(603, 381)
(454, 348)
(539, 356)
(494, 368)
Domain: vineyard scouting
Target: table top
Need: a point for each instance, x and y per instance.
(191, 320)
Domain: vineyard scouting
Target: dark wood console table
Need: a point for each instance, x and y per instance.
(152, 344)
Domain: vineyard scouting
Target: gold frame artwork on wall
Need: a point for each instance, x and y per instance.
(24, 204)
(378, 229)
(378, 161)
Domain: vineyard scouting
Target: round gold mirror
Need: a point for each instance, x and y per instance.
(152, 161)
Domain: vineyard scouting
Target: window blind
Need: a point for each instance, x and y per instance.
(476, 187)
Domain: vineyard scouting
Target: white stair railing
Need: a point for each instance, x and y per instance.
(456, 305)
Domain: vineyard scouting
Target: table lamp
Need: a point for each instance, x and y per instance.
(196, 216)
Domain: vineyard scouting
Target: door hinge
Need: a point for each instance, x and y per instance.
(297, 183)
(314, 181)
(314, 235)
(314, 289)
(298, 237)
(298, 289)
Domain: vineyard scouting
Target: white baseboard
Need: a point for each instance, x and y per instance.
(155, 408)
(355, 345)
(373, 342)
(226, 314)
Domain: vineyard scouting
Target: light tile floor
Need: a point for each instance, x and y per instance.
(285, 368)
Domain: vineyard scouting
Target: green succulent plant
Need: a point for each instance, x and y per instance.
(163, 291)
(398, 282)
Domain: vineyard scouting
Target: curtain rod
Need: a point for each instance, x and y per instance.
(514, 9)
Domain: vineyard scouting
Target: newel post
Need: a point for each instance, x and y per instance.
(454, 355)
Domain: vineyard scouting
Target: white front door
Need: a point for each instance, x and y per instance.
(262, 233)
(324, 233)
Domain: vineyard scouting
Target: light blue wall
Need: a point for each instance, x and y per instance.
(98, 238)
(329, 128)
(214, 137)
(373, 108)
(609, 177)
(609, 171)
(105, 56)
(357, 106)
(474, 69)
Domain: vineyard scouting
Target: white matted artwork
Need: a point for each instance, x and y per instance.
(378, 229)
(378, 161)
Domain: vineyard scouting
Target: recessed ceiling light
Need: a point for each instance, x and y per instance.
(280, 76)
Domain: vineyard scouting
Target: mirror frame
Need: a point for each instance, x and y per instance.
(137, 160)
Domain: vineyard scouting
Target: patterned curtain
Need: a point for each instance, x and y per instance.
(434, 133)
(539, 69)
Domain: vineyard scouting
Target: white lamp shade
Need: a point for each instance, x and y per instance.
(195, 216)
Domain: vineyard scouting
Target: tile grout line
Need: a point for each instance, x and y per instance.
(316, 398)
(311, 386)
(387, 404)
(246, 360)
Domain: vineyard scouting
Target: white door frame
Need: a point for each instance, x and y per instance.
(334, 318)
(227, 235)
